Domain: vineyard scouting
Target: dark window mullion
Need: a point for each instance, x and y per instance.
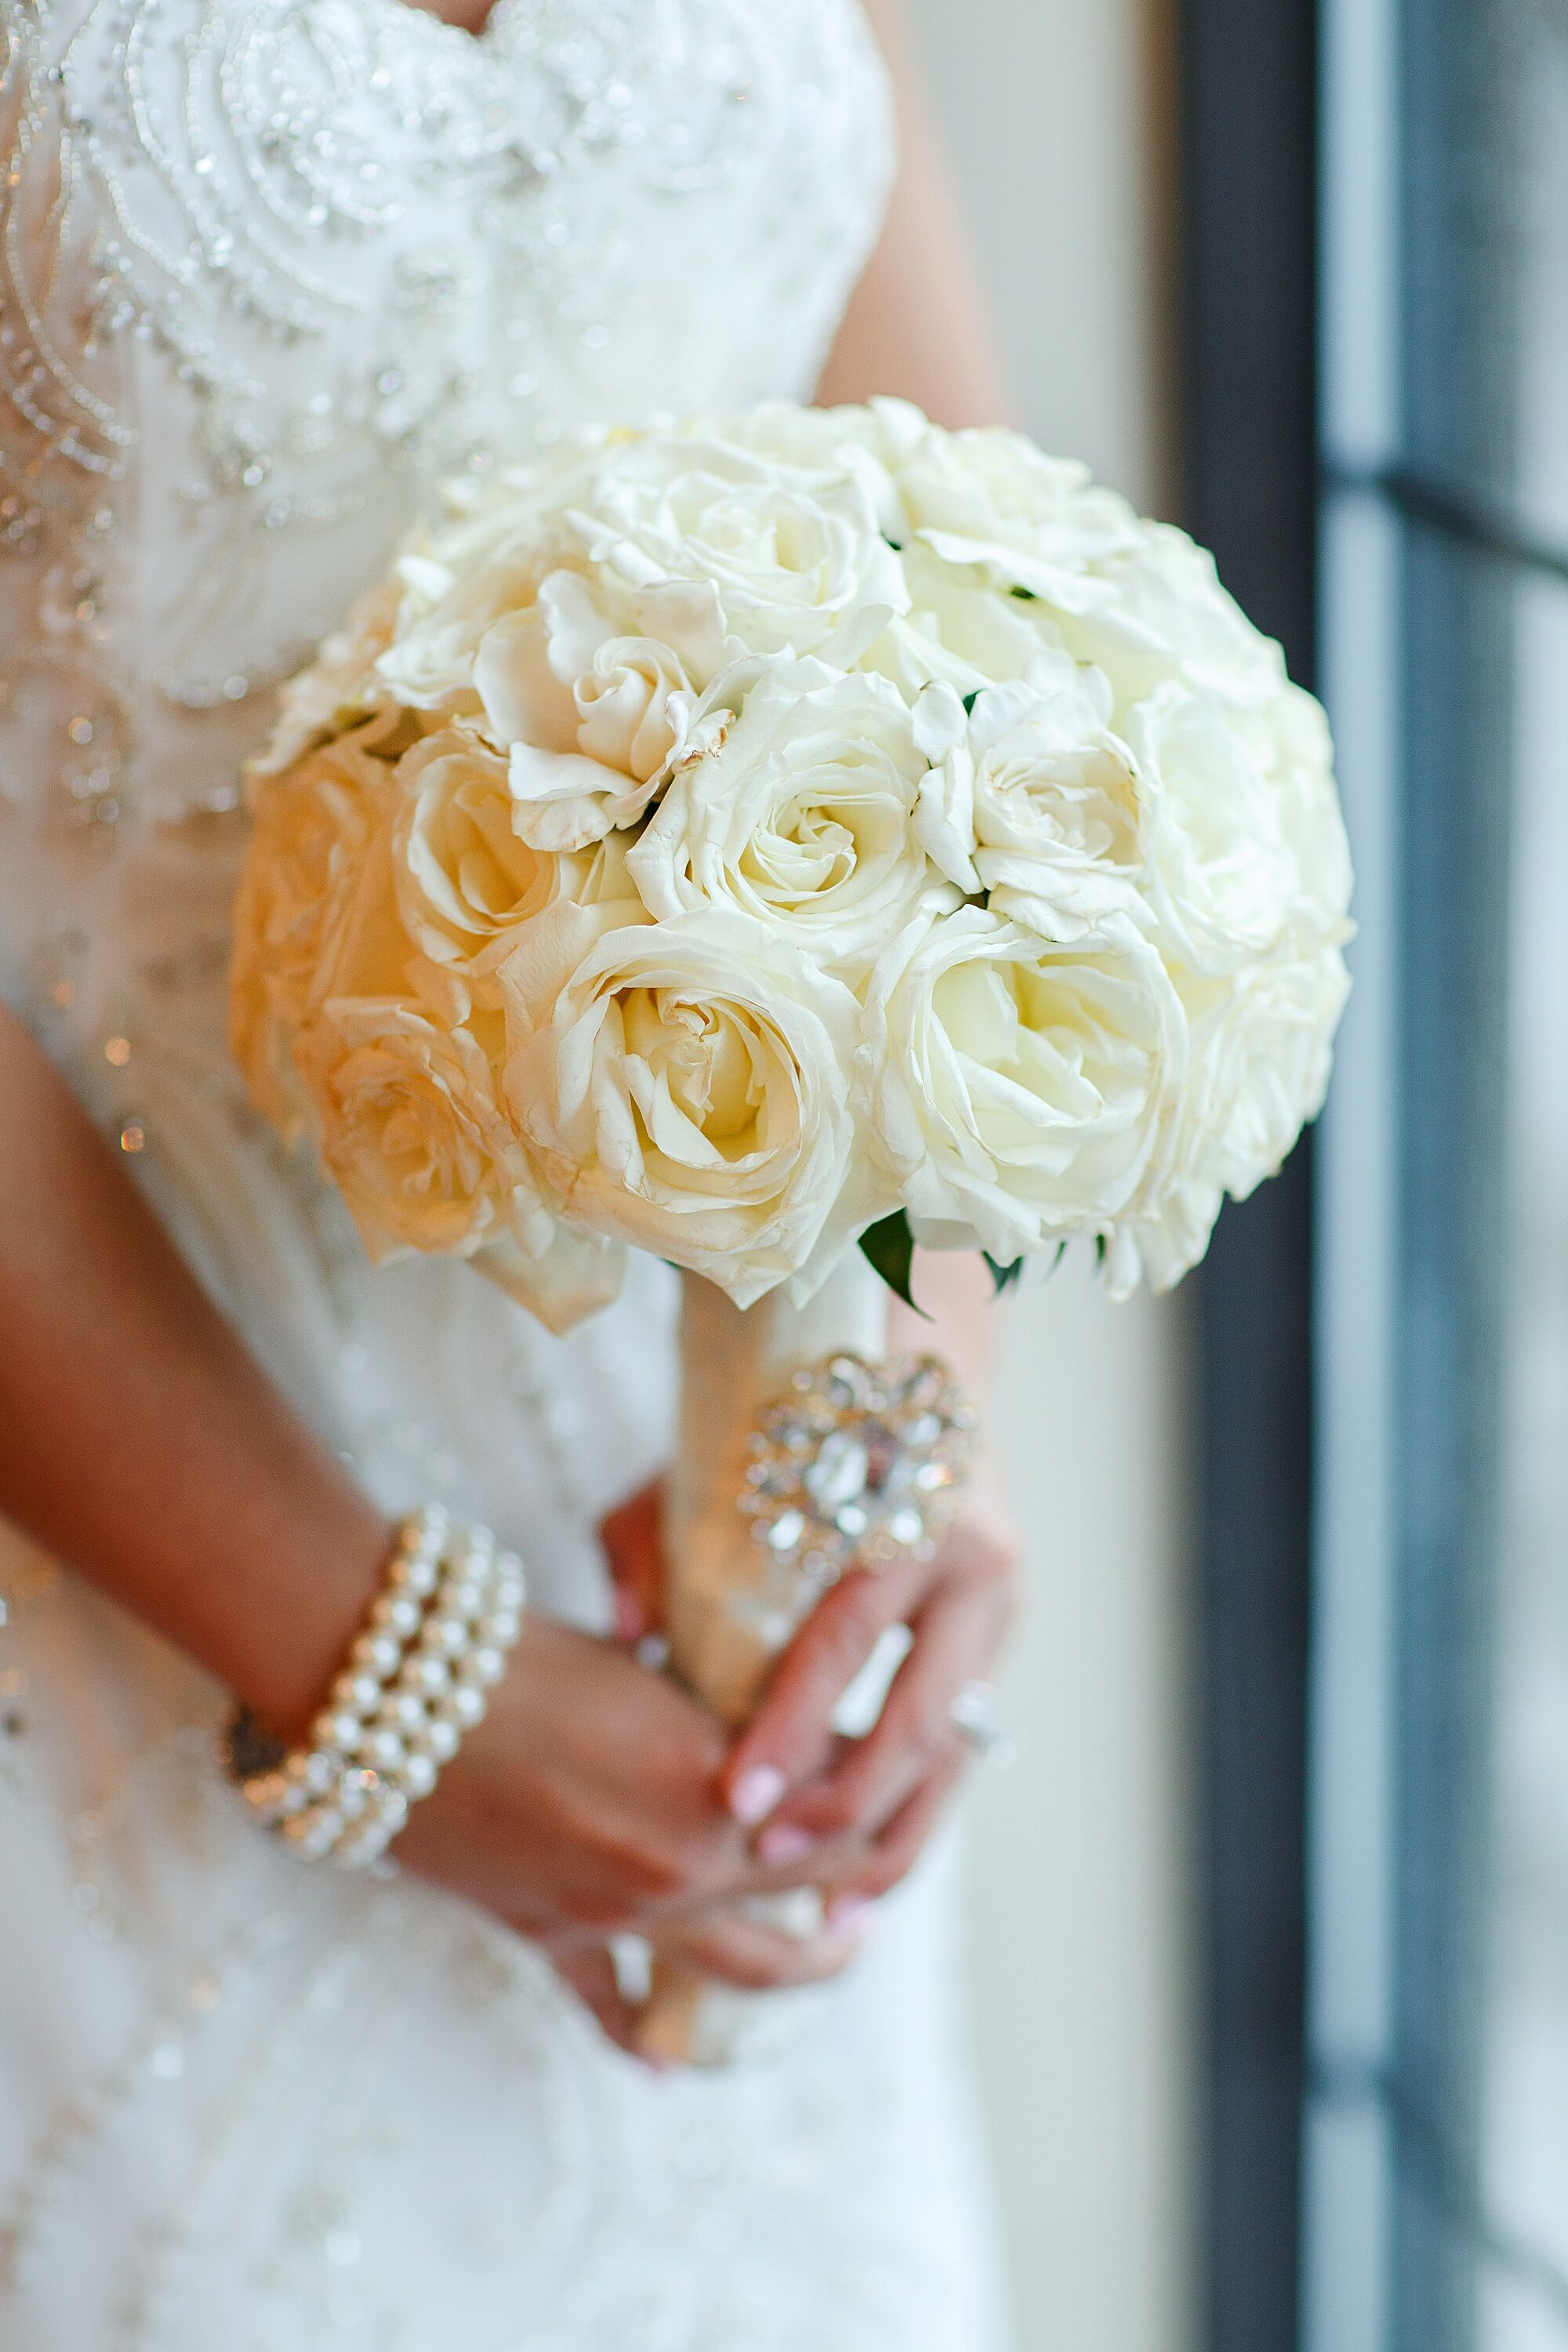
(1424, 496)
(1250, 81)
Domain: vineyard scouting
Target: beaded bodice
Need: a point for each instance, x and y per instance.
(270, 270)
(272, 266)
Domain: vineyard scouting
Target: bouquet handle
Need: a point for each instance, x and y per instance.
(733, 1601)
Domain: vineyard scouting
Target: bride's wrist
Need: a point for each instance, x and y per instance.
(414, 1678)
(293, 1637)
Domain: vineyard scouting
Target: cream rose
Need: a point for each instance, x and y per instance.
(800, 816)
(684, 1086)
(410, 1128)
(1019, 1092)
(1032, 799)
(311, 841)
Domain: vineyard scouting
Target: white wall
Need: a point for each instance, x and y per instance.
(1083, 1976)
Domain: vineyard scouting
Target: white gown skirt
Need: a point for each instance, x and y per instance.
(251, 2103)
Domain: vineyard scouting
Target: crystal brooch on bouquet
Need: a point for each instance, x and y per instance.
(857, 1465)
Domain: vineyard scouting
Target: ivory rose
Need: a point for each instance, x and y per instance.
(463, 875)
(410, 1129)
(342, 685)
(800, 816)
(684, 1086)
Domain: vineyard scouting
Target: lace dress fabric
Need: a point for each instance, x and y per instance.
(269, 269)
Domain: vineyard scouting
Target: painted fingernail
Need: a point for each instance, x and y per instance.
(756, 1793)
(784, 1842)
(851, 1911)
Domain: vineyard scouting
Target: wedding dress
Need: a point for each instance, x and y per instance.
(270, 268)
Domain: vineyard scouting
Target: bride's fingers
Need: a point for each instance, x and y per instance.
(633, 1538)
(957, 1636)
(590, 1972)
(759, 1959)
(899, 1847)
(792, 1735)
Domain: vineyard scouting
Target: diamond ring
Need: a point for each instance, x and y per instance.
(977, 1718)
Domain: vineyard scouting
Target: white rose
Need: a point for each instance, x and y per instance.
(1288, 737)
(959, 630)
(801, 817)
(594, 690)
(1032, 798)
(684, 1086)
(993, 499)
(822, 443)
(800, 565)
(1223, 878)
(1020, 1092)
(447, 607)
(1260, 1050)
(1164, 613)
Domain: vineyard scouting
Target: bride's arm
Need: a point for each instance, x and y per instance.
(141, 1443)
(918, 324)
(138, 1439)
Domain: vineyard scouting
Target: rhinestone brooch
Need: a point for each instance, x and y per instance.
(857, 1466)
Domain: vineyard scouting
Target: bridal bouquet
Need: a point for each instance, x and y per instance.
(771, 843)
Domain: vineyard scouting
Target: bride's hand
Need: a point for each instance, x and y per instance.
(853, 1815)
(590, 1800)
(880, 1796)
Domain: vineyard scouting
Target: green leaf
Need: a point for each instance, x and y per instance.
(896, 544)
(1101, 1249)
(969, 702)
(1024, 595)
(1003, 1276)
(1061, 1252)
(891, 1248)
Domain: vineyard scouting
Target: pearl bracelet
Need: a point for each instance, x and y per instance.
(415, 1681)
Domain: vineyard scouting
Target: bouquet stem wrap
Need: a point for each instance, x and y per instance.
(731, 1604)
